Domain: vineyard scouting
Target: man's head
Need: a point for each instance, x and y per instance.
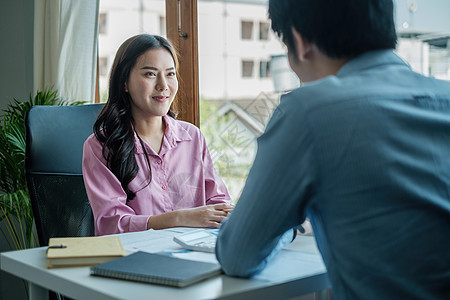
(338, 29)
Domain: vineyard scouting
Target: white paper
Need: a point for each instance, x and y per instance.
(156, 240)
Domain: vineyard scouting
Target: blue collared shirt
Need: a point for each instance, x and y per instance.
(366, 154)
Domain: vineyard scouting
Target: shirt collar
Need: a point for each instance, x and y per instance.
(369, 60)
(174, 134)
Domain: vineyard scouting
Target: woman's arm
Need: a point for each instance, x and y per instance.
(106, 196)
(217, 199)
(203, 216)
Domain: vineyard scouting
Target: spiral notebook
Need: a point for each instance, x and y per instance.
(156, 268)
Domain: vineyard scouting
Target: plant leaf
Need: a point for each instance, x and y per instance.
(15, 201)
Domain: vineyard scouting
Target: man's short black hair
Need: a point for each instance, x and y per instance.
(339, 28)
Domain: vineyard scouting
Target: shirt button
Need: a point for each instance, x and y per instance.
(159, 161)
(164, 187)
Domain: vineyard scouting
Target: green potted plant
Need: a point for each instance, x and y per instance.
(15, 208)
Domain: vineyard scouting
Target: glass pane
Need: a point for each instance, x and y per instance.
(264, 69)
(247, 68)
(237, 89)
(119, 20)
(423, 29)
(244, 69)
(264, 30)
(246, 30)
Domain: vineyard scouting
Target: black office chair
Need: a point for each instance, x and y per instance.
(54, 150)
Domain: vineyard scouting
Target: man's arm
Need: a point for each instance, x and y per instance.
(274, 197)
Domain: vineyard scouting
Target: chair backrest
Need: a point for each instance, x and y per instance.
(54, 151)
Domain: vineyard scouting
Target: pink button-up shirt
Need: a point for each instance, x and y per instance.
(183, 176)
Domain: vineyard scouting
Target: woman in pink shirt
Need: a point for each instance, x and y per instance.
(142, 168)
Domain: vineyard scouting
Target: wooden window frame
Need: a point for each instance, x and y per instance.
(184, 37)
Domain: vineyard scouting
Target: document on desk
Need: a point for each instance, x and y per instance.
(148, 241)
(161, 241)
(153, 240)
(292, 264)
(194, 255)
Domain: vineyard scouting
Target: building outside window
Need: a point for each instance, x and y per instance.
(264, 69)
(103, 66)
(247, 68)
(102, 23)
(246, 30)
(264, 30)
(162, 25)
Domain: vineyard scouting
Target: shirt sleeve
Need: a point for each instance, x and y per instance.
(215, 189)
(273, 200)
(106, 195)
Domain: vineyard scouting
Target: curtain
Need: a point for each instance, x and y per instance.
(65, 47)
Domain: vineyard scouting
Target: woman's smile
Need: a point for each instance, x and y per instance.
(161, 98)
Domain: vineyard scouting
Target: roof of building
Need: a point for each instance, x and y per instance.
(254, 113)
(439, 40)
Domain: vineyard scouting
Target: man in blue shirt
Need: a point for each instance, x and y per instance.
(362, 149)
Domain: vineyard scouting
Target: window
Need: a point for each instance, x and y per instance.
(264, 69)
(162, 25)
(103, 66)
(102, 23)
(264, 30)
(237, 95)
(246, 30)
(247, 68)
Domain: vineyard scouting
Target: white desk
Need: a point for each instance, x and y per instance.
(289, 275)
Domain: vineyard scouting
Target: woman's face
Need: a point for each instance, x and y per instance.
(152, 84)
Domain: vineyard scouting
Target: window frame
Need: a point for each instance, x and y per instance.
(184, 37)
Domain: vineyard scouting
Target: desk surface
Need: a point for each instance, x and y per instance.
(295, 271)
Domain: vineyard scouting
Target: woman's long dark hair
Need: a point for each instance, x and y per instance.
(114, 126)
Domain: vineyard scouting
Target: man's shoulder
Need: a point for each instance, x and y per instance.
(398, 84)
(317, 93)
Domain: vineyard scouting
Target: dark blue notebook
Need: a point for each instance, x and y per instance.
(156, 268)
